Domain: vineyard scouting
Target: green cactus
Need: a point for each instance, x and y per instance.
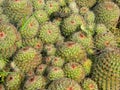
(49, 32)
(89, 84)
(13, 81)
(8, 39)
(41, 16)
(86, 3)
(29, 28)
(49, 49)
(33, 42)
(71, 51)
(41, 69)
(52, 7)
(74, 71)
(64, 84)
(103, 13)
(55, 73)
(34, 83)
(85, 40)
(17, 9)
(87, 65)
(72, 24)
(106, 69)
(57, 61)
(26, 59)
(38, 4)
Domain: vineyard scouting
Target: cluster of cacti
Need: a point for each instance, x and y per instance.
(59, 44)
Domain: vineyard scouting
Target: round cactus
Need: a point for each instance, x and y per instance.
(34, 83)
(49, 32)
(52, 7)
(29, 28)
(41, 16)
(13, 81)
(38, 4)
(86, 3)
(64, 84)
(71, 51)
(103, 13)
(89, 84)
(74, 71)
(17, 9)
(72, 24)
(55, 73)
(8, 39)
(26, 59)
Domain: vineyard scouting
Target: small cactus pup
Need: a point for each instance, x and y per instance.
(89, 84)
(63, 12)
(49, 33)
(72, 24)
(71, 51)
(26, 59)
(101, 28)
(85, 40)
(33, 42)
(89, 18)
(38, 4)
(83, 10)
(41, 16)
(60, 40)
(51, 7)
(55, 73)
(103, 13)
(104, 38)
(49, 50)
(17, 9)
(41, 69)
(89, 28)
(57, 61)
(34, 83)
(9, 39)
(29, 28)
(74, 71)
(86, 3)
(87, 65)
(13, 81)
(64, 84)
